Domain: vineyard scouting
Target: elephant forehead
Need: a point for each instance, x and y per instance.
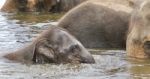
(63, 37)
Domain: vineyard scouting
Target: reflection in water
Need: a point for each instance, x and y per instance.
(19, 29)
(140, 69)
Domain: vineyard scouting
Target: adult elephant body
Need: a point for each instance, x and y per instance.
(98, 25)
(55, 45)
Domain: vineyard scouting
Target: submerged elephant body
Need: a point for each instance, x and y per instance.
(98, 25)
(39, 5)
(55, 45)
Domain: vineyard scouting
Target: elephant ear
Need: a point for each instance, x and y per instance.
(43, 53)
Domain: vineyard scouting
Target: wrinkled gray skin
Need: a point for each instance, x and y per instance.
(55, 45)
(97, 26)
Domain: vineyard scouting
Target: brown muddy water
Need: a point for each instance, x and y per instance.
(17, 30)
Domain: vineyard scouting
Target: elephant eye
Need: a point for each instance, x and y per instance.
(147, 45)
(75, 48)
(148, 17)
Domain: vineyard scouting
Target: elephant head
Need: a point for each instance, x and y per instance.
(55, 45)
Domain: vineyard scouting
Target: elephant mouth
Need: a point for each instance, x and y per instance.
(147, 48)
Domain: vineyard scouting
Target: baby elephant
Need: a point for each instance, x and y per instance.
(55, 45)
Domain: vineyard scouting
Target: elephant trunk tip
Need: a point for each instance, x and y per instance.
(88, 59)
